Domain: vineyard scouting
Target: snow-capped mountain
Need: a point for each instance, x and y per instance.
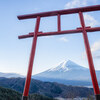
(66, 66)
(10, 75)
(67, 70)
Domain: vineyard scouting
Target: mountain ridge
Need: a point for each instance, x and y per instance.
(10, 75)
(67, 65)
(67, 70)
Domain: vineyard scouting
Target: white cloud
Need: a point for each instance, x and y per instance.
(95, 49)
(90, 21)
(75, 3)
(79, 3)
(48, 37)
(63, 39)
(84, 55)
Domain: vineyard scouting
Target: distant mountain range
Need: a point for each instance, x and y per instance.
(67, 72)
(10, 75)
(50, 89)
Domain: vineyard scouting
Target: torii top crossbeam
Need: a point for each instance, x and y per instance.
(58, 14)
(61, 12)
(83, 29)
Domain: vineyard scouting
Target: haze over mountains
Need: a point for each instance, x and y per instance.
(10, 75)
(67, 72)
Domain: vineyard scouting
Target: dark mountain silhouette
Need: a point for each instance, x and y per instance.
(9, 94)
(50, 89)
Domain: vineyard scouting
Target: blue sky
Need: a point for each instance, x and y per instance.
(14, 53)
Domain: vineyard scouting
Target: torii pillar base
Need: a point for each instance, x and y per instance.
(25, 98)
(97, 97)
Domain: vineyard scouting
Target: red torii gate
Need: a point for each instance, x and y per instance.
(83, 29)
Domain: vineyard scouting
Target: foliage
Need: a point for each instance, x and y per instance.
(8, 94)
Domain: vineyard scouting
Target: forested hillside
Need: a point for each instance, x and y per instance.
(9, 94)
(50, 89)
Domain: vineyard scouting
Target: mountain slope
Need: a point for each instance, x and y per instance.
(46, 88)
(66, 70)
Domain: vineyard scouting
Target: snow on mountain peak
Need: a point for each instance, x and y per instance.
(60, 67)
(71, 63)
(65, 66)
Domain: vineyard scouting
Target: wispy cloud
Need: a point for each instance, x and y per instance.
(64, 39)
(75, 3)
(95, 49)
(79, 3)
(48, 37)
(90, 20)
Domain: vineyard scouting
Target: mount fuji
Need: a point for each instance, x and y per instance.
(67, 71)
